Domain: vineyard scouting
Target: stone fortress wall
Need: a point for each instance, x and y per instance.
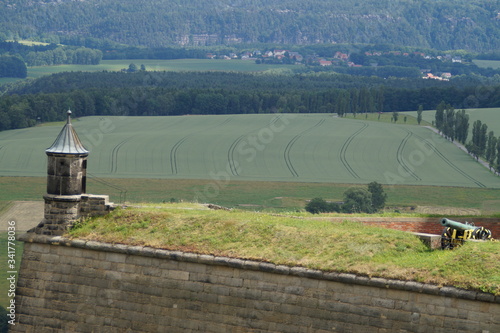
(85, 286)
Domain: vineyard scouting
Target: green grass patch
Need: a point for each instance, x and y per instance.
(233, 65)
(495, 64)
(5, 80)
(4, 206)
(256, 195)
(342, 247)
(32, 188)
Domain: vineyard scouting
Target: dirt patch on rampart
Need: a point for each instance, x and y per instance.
(26, 214)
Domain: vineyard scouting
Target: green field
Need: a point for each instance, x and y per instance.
(292, 148)
(178, 65)
(6, 80)
(495, 64)
(259, 195)
(159, 65)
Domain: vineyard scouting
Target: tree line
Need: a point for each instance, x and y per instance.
(167, 93)
(14, 47)
(453, 91)
(485, 144)
(454, 125)
(64, 55)
(356, 200)
(228, 81)
(19, 111)
(12, 67)
(52, 54)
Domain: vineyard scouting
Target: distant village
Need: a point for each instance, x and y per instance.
(279, 56)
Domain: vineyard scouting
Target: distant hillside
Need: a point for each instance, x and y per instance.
(440, 24)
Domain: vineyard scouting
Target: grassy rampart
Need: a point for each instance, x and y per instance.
(342, 247)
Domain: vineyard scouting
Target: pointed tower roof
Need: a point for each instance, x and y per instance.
(67, 141)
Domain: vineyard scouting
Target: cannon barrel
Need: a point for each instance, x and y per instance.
(456, 225)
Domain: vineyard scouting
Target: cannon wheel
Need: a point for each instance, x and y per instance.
(447, 240)
(482, 233)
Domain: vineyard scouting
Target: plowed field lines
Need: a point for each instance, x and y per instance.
(114, 155)
(288, 148)
(344, 148)
(233, 167)
(401, 159)
(451, 164)
(175, 148)
(173, 155)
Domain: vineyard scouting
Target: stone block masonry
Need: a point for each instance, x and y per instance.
(85, 286)
(62, 211)
(94, 205)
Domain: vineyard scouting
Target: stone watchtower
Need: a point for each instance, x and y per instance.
(65, 200)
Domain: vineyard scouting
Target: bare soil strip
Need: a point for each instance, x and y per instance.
(27, 215)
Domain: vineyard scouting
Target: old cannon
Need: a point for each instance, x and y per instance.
(456, 233)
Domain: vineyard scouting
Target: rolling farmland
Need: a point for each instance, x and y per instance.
(279, 147)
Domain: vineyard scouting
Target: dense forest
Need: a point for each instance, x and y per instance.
(12, 67)
(170, 93)
(440, 24)
(52, 54)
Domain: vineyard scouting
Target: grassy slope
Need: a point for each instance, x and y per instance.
(342, 247)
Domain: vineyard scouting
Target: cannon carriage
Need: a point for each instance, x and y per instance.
(456, 233)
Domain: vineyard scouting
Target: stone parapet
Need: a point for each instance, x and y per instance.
(74, 285)
(62, 211)
(261, 266)
(94, 205)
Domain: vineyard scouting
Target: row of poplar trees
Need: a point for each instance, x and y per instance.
(454, 125)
